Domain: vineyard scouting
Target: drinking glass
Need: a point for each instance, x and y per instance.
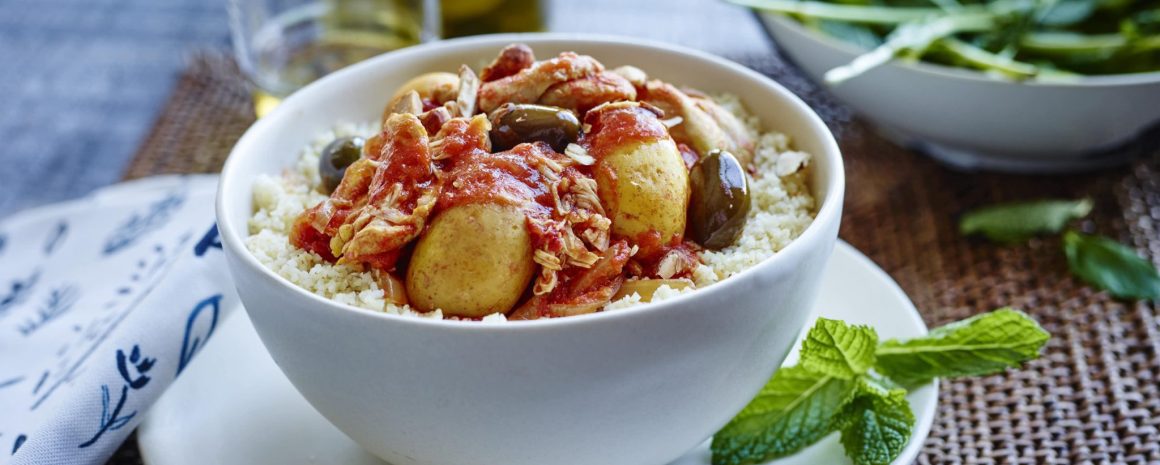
(470, 17)
(282, 45)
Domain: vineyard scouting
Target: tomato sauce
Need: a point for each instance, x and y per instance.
(614, 126)
(506, 178)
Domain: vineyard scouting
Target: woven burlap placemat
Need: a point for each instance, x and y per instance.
(1092, 398)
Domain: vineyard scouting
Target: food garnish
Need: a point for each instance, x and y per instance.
(1013, 222)
(848, 382)
(1099, 261)
(1111, 266)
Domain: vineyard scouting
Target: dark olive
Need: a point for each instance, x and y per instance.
(336, 157)
(718, 201)
(513, 124)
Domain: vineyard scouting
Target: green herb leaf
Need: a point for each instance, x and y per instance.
(837, 349)
(980, 345)
(795, 409)
(1111, 266)
(1018, 221)
(877, 424)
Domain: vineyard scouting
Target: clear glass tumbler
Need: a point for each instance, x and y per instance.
(470, 17)
(282, 45)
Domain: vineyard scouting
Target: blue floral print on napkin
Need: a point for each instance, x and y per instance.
(112, 298)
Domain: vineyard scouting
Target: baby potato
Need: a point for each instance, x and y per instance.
(438, 87)
(474, 260)
(645, 186)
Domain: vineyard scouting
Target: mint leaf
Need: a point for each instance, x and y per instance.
(1111, 266)
(1015, 222)
(876, 424)
(837, 349)
(980, 345)
(794, 409)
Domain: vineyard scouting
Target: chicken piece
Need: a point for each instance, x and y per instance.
(581, 95)
(581, 290)
(381, 204)
(400, 197)
(530, 83)
(433, 89)
(434, 119)
(740, 133)
(466, 98)
(704, 125)
(460, 103)
(315, 227)
(513, 59)
(460, 138)
(635, 76)
(409, 102)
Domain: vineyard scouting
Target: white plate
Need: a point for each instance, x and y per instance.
(233, 406)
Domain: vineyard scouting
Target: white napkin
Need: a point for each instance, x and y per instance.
(103, 301)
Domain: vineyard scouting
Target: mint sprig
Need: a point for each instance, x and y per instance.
(849, 383)
(877, 423)
(837, 349)
(975, 346)
(792, 411)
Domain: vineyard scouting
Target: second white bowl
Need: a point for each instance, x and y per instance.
(971, 120)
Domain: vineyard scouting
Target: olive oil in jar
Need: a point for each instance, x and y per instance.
(303, 43)
(471, 17)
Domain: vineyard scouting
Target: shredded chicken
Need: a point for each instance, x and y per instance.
(409, 103)
(462, 137)
(380, 205)
(513, 59)
(635, 76)
(465, 99)
(580, 95)
(580, 290)
(703, 124)
(527, 85)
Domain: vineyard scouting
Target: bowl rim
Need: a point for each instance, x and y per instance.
(829, 211)
(952, 72)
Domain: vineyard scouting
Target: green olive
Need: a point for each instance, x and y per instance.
(513, 124)
(338, 155)
(719, 200)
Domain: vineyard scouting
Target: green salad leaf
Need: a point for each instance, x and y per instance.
(1014, 222)
(793, 410)
(981, 345)
(1045, 40)
(912, 38)
(837, 349)
(856, 34)
(1111, 266)
(1066, 12)
(876, 425)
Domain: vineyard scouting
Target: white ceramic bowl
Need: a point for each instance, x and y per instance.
(971, 120)
(639, 386)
